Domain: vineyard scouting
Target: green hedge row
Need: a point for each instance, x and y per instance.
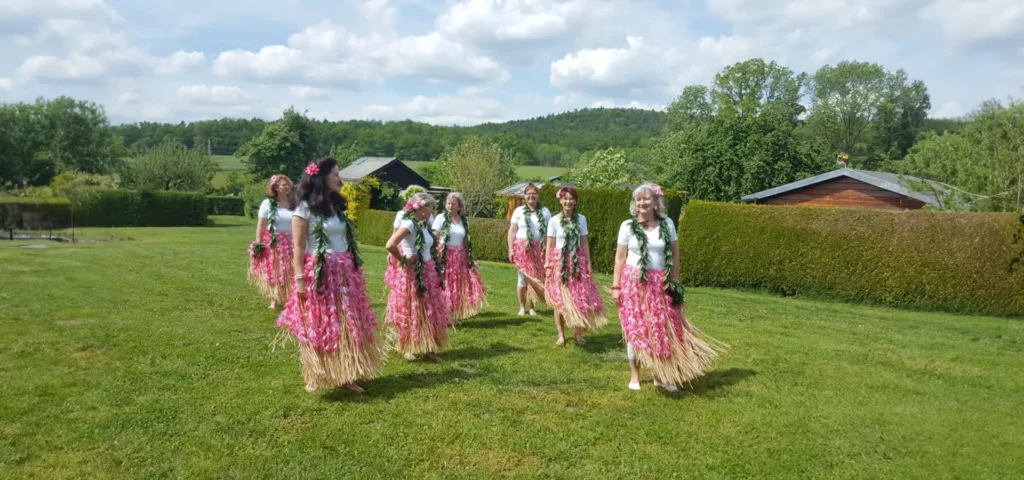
(224, 205)
(129, 208)
(24, 213)
(958, 262)
(605, 210)
(489, 235)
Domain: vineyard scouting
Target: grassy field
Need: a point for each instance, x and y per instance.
(526, 172)
(151, 358)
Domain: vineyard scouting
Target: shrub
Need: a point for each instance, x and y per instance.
(34, 213)
(253, 196)
(129, 208)
(605, 210)
(223, 205)
(958, 262)
(359, 195)
(489, 235)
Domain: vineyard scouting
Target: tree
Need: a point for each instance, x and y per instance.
(170, 166)
(861, 109)
(984, 161)
(477, 168)
(346, 155)
(285, 146)
(78, 137)
(608, 168)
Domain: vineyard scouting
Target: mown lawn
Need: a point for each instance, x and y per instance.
(151, 358)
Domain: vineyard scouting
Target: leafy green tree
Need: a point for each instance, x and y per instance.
(609, 168)
(170, 166)
(285, 146)
(477, 168)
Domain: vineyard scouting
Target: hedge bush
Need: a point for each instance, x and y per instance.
(957, 262)
(224, 205)
(489, 235)
(129, 208)
(26, 213)
(605, 210)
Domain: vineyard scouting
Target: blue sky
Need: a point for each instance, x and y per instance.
(473, 61)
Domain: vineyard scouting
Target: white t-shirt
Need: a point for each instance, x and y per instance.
(409, 242)
(284, 217)
(519, 218)
(655, 246)
(555, 229)
(337, 240)
(399, 217)
(458, 234)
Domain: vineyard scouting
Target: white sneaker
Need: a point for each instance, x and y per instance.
(533, 313)
(634, 386)
(521, 313)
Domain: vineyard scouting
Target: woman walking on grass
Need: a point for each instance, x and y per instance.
(571, 288)
(392, 271)
(416, 309)
(461, 283)
(329, 310)
(650, 298)
(270, 256)
(526, 239)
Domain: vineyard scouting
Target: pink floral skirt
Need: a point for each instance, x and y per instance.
(662, 337)
(529, 259)
(335, 326)
(272, 271)
(418, 324)
(578, 300)
(464, 294)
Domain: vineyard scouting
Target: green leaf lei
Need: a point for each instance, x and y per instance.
(421, 283)
(529, 225)
(674, 289)
(271, 222)
(322, 241)
(446, 233)
(571, 229)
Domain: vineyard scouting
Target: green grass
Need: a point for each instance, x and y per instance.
(150, 358)
(526, 172)
(229, 163)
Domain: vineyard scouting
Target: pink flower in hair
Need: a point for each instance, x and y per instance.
(273, 179)
(410, 206)
(656, 189)
(312, 169)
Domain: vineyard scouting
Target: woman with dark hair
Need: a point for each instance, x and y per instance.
(416, 309)
(463, 288)
(270, 256)
(329, 310)
(526, 240)
(646, 287)
(571, 288)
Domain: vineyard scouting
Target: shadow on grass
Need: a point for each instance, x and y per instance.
(600, 343)
(714, 381)
(389, 387)
(480, 353)
(494, 320)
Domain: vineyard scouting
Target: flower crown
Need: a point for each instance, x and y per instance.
(656, 190)
(410, 205)
(312, 169)
(273, 179)
(562, 192)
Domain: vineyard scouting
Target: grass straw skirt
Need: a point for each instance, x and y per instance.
(463, 288)
(335, 327)
(578, 300)
(271, 272)
(529, 259)
(664, 341)
(418, 324)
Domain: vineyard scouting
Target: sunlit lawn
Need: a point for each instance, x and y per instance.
(151, 358)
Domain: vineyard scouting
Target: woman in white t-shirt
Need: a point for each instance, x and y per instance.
(270, 256)
(329, 310)
(571, 288)
(416, 309)
(649, 296)
(526, 239)
(463, 288)
(392, 269)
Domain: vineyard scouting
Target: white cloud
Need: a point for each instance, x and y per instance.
(440, 110)
(971, 21)
(615, 68)
(6, 84)
(307, 92)
(128, 98)
(822, 55)
(217, 94)
(948, 110)
(50, 68)
(436, 58)
(181, 61)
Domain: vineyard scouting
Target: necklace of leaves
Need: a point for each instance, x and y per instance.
(674, 289)
(529, 225)
(571, 229)
(420, 243)
(322, 241)
(446, 233)
(259, 247)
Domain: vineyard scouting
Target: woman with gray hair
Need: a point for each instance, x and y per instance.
(650, 298)
(416, 308)
(460, 275)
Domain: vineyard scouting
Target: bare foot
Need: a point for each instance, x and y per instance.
(533, 313)
(580, 341)
(310, 388)
(560, 341)
(410, 356)
(433, 357)
(272, 306)
(355, 388)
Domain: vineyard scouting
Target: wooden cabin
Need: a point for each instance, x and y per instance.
(386, 169)
(847, 187)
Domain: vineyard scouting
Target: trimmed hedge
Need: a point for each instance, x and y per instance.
(605, 210)
(224, 205)
(489, 235)
(129, 208)
(957, 262)
(26, 213)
